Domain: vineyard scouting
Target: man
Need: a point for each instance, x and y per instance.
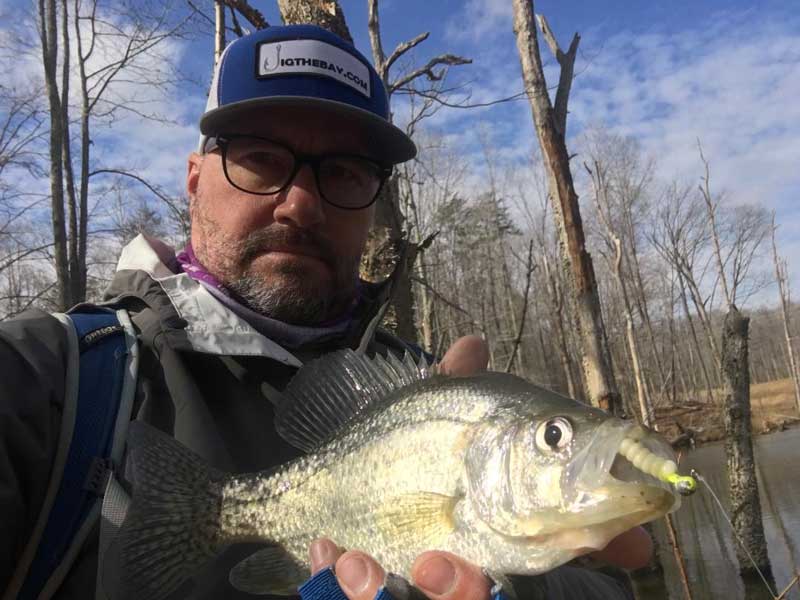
(296, 146)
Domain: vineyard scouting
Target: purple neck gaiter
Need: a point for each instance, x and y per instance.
(291, 336)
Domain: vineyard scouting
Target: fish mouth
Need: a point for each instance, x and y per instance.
(621, 477)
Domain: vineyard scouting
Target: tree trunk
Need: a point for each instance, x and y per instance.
(550, 129)
(325, 13)
(49, 40)
(219, 30)
(557, 305)
(75, 293)
(83, 202)
(745, 506)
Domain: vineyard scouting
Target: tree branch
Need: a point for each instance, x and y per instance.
(427, 70)
(403, 48)
(374, 29)
(530, 269)
(178, 214)
(567, 63)
(254, 16)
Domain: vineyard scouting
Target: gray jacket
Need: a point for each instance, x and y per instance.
(202, 375)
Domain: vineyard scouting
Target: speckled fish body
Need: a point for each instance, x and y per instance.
(508, 475)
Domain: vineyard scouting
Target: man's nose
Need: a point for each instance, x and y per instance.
(301, 203)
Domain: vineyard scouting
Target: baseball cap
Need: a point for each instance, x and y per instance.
(305, 66)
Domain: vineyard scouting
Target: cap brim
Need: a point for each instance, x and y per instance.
(387, 142)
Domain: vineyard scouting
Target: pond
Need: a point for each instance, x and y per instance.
(705, 537)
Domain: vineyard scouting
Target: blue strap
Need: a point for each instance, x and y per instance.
(102, 364)
(323, 586)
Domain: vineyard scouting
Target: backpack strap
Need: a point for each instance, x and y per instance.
(102, 361)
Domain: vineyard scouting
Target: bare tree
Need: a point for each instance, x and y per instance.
(109, 50)
(782, 277)
(601, 185)
(679, 236)
(551, 121)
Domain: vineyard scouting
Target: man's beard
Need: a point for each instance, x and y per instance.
(289, 294)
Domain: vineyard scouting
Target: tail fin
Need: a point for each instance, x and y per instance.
(171, 525)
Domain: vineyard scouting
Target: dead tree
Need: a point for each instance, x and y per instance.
(745, 504)
(782, 277)
(551, 121)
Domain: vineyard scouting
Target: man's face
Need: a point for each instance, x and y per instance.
(290, 256)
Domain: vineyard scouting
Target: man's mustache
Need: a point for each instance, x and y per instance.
(280, 237)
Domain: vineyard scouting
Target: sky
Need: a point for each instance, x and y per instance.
(725, 72)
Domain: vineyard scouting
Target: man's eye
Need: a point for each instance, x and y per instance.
(349, 172)
(343, 173)
(263, 158)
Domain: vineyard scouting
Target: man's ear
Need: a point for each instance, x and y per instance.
(193, 173)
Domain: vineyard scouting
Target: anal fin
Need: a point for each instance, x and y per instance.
(271, 570)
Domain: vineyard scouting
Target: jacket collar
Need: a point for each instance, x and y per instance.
(194, 319)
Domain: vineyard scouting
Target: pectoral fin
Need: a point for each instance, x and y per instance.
(420, 517)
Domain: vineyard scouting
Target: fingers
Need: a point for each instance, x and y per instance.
(323, 554)
(629, 550)
(439, 575)
(444, 576)
(359, 575)
(467, 356)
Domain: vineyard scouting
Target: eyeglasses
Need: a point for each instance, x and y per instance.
(260, 166)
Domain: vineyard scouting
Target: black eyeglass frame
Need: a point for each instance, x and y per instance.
(221, 141)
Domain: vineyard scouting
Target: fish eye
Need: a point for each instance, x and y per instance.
(554, 434)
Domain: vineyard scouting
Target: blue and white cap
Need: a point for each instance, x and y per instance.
(303, 65)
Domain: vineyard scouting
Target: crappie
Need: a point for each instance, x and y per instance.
(510, 476)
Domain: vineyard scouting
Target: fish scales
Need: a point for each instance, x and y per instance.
(394, 452)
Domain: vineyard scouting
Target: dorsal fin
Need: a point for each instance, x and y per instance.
(330, 392)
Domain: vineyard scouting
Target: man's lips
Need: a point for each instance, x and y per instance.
(297, 252)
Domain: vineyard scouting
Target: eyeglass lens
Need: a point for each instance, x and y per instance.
(263, 167)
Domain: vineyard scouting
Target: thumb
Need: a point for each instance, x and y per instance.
(467, 356)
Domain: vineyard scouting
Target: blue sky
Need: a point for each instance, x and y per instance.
(666, 73)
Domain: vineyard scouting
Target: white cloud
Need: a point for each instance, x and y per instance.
(735, 91)
(480, 19)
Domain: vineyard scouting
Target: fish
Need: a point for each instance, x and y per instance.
(398, 460)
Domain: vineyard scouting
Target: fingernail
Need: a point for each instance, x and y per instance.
(322, 553)
(352, 574)
(436, 575)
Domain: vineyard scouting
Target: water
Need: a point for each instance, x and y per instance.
(705, 537)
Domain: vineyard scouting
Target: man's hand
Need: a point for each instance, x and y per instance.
(440, 575)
